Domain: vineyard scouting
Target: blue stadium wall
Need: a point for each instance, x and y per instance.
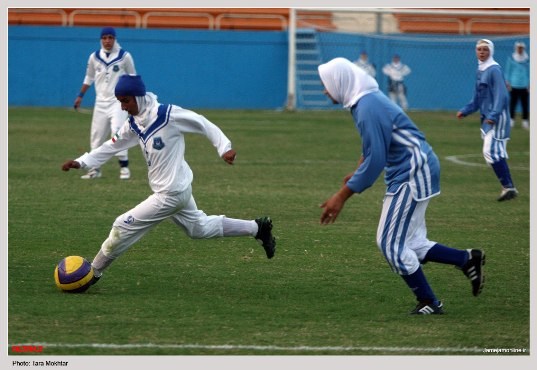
(193, 69)
(232, 69)
(443, 67)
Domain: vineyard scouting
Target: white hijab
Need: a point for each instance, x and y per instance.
(520, 58)
(112, 52)
(490, 61)
(346, 82)
(147, 113)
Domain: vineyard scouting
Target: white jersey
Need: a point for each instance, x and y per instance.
(396, 72)
(105, 71)
(366, 66)
(160, 134)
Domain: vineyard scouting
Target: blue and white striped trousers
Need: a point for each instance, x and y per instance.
(402, 233)
(494, 150)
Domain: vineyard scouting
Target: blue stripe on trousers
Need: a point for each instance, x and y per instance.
(398, 218)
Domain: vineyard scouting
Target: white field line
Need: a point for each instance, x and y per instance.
(459, 159)
(231, 347)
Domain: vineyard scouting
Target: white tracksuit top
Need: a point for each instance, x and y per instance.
(160, 134)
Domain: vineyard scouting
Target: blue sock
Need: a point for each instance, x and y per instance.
(420, 287)
(442, 254)
(501, 169)
(124, 163)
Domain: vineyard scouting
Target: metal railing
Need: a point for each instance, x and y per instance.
(415, 20)
(471, 16)
(62, 13)
(131, 13)
(207, 16)
(471, 22)
(220, 17)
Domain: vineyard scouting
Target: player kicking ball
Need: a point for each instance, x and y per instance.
(159, 129)
(392, 142)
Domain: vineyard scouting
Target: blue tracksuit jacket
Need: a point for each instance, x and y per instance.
(392, 142)
(491, 98)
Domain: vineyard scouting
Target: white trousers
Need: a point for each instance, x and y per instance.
(402, 233)
(107, 120)
(180, 207)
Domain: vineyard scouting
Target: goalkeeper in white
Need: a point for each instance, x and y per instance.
(159, 130)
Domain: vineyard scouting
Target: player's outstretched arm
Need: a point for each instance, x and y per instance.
(70, 164)
(229, 156)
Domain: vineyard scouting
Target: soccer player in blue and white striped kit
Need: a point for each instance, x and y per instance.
(491, 98)
(392, 142)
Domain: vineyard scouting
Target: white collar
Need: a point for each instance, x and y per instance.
(115, 49)
(486, 64)
(520, 58)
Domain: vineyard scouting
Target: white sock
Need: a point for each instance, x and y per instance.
(235, 227)
(100, 262)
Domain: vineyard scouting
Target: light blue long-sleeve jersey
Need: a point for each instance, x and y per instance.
(392, 142)
(518, 73)
(491, 98)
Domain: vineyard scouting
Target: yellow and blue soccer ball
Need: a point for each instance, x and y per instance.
(73, 274)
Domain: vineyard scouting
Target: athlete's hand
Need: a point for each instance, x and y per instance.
(333, 206)
(78, 100)
(229, 156)
(460, 115)
(70, 164)
(331, 209)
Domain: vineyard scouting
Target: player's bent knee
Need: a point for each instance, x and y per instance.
(110, 245)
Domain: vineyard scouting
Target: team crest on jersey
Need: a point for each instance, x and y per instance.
(116, 68)
(158, 144)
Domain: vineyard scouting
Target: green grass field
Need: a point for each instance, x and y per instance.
(328, 290)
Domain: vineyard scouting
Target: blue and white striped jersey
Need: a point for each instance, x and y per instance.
(392, 142)
(491, 98)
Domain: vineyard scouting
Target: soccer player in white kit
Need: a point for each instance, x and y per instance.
(159, 129)
(104, 68)
(396, 72)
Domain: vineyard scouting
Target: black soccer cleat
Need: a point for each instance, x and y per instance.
(428, 308)
(94, 280)
(264, 235)
(508, 194)
(473, 269)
